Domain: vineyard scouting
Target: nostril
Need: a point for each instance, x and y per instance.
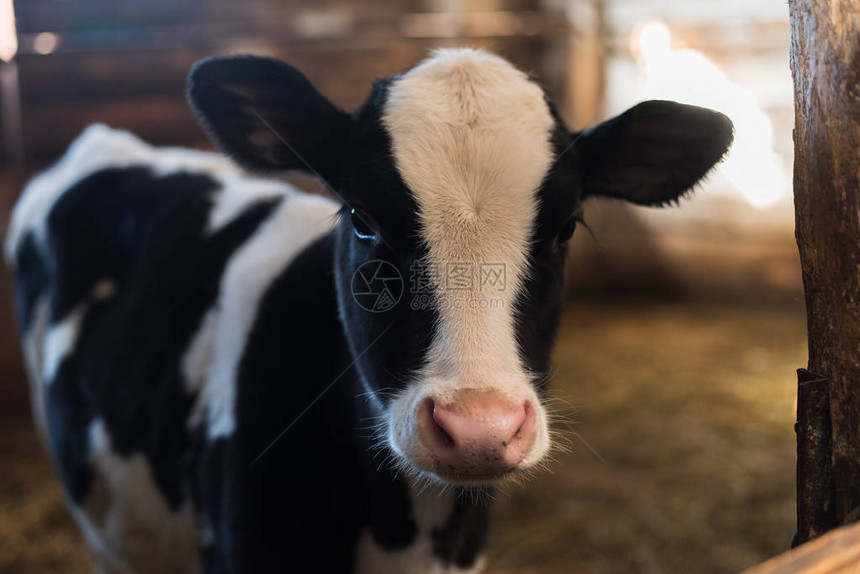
(441, 434)
(523, 414)
(518, 419)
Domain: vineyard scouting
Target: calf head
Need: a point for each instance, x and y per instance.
(461, 190)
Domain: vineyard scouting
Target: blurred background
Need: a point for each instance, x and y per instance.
(675, 375)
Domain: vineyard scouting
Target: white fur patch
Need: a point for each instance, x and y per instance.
(296, 223)
(237, 193)
(60, 337)
(194, 364)
(33, 348)
(60, 340)
(127, 521)
(471, 138)
(430, 512)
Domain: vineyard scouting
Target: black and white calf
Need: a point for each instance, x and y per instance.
(217, 393)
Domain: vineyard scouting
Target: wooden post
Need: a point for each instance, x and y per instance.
(825, 64)
(586, 82)
(10, 113)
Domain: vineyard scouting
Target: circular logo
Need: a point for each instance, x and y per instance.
(377, 286)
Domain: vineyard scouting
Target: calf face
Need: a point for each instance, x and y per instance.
(461, 190)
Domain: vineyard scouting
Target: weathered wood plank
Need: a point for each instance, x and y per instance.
(837, 552)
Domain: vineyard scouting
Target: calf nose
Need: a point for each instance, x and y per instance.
(477, 434)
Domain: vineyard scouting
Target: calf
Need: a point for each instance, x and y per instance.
(234, 376)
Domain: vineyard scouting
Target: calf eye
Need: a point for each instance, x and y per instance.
(362, 224)
(566, 231)
(569, 227)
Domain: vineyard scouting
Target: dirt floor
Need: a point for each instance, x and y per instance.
(680, 424)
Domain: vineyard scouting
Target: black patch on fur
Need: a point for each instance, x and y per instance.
(464, 535)
(68, 416)
(538, 305)
(31, 280)
(299, 508)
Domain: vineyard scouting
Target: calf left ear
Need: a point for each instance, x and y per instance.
(267, 116)
(652, 153)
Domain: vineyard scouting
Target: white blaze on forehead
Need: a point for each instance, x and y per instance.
(471, 138)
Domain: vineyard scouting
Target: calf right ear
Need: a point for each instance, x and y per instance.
(267, 116)
(652, 153)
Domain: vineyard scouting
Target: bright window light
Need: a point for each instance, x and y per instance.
(8, 37)
(45, 43)
(688, 76)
